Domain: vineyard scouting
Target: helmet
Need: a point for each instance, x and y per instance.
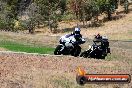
(77, 30)
(98, 36)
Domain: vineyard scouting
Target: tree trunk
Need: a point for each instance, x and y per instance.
(31, 30)
(109, 14)
(31, 27)
(49, 22)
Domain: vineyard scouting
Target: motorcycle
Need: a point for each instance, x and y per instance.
(99, 49)
(69, 48)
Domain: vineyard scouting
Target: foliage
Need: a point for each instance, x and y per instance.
(87, 9)
(50, 12)
(10, 12)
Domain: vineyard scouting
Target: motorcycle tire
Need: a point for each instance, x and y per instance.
(76, 51)
(57, 50)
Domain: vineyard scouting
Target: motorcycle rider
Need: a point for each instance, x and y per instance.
(69, 40)
(97, 38)
(104, 42)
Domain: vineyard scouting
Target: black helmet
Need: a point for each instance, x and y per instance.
(98, 36)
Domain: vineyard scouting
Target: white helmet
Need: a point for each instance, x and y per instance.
(77, 30)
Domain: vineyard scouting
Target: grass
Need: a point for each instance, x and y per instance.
(14, 46)
(66, 82)
(111, 57)
(130, 32)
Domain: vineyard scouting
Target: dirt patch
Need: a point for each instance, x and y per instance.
(37, 71)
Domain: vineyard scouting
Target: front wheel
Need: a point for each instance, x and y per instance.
(84, 54)
(58, 50)
(76, 51)
(102, 57)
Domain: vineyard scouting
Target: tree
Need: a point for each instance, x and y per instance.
(33, 14)
(84, 10)
(7, 15)
(51, 11)
(12, 9)
(126, 5)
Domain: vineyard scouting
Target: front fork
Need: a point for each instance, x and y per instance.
(62, 48)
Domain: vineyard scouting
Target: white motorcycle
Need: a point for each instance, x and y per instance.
(70, 47)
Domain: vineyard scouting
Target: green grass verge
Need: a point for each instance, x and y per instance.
(13, 46)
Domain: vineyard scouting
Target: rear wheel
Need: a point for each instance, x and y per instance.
(57, 50)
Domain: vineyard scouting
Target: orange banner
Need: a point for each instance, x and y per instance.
(83, 78)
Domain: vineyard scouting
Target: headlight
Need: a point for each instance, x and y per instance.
(90, 47)
(83, 39)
